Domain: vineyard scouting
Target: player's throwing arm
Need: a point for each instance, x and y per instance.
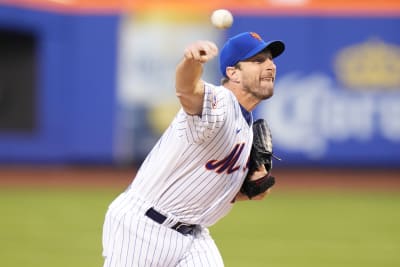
(189, 86)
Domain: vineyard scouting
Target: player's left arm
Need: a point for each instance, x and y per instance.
(258, 181)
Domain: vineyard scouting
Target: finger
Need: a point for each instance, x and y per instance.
(201, 51)
(213, 48)
(188, 54)
(207, 50)
(194, 53)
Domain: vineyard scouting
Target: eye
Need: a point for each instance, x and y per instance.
(260, 59)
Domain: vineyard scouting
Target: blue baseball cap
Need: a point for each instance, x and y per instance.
(244, 46)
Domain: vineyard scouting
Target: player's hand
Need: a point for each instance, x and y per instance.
(257, 174)
(260, 172)
(258, 178)
(201, 51)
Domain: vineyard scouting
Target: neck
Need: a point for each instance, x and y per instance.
(246, 100)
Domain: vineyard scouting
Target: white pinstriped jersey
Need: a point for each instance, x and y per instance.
(197, 167)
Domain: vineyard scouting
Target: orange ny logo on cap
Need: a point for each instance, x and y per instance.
(256, 36)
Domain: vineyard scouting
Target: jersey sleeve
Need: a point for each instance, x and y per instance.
(197, 129)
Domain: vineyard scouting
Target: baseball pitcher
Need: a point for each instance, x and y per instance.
(211, 155)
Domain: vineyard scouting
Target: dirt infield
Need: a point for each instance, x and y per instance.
(106, 176)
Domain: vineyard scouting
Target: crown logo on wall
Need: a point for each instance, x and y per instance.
(369, 66)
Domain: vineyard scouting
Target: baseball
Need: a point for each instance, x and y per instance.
(222, 18)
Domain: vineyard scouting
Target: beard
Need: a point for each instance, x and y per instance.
(261, 92)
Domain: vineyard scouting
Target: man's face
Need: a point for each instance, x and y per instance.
(258, 75)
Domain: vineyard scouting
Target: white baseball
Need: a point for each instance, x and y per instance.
(222, 18)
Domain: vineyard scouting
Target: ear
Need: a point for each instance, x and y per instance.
(233, 74)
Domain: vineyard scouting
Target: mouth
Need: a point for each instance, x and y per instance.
(268, 78)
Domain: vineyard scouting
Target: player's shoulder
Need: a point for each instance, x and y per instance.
(218, 97)
(217, 91)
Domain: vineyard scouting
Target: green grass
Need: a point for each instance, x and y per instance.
(52, 227)
(63, 228)
(319, 229)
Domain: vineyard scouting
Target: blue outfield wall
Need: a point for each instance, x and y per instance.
(75, 85)
(336, 101)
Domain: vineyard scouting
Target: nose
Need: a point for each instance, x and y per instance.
(270, 65)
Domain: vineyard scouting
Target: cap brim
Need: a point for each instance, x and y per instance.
(276, 47)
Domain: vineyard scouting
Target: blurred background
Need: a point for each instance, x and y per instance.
(87, 87)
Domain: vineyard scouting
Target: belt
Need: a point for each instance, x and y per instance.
(182, 228)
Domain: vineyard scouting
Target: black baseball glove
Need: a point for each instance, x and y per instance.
(261, 154)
